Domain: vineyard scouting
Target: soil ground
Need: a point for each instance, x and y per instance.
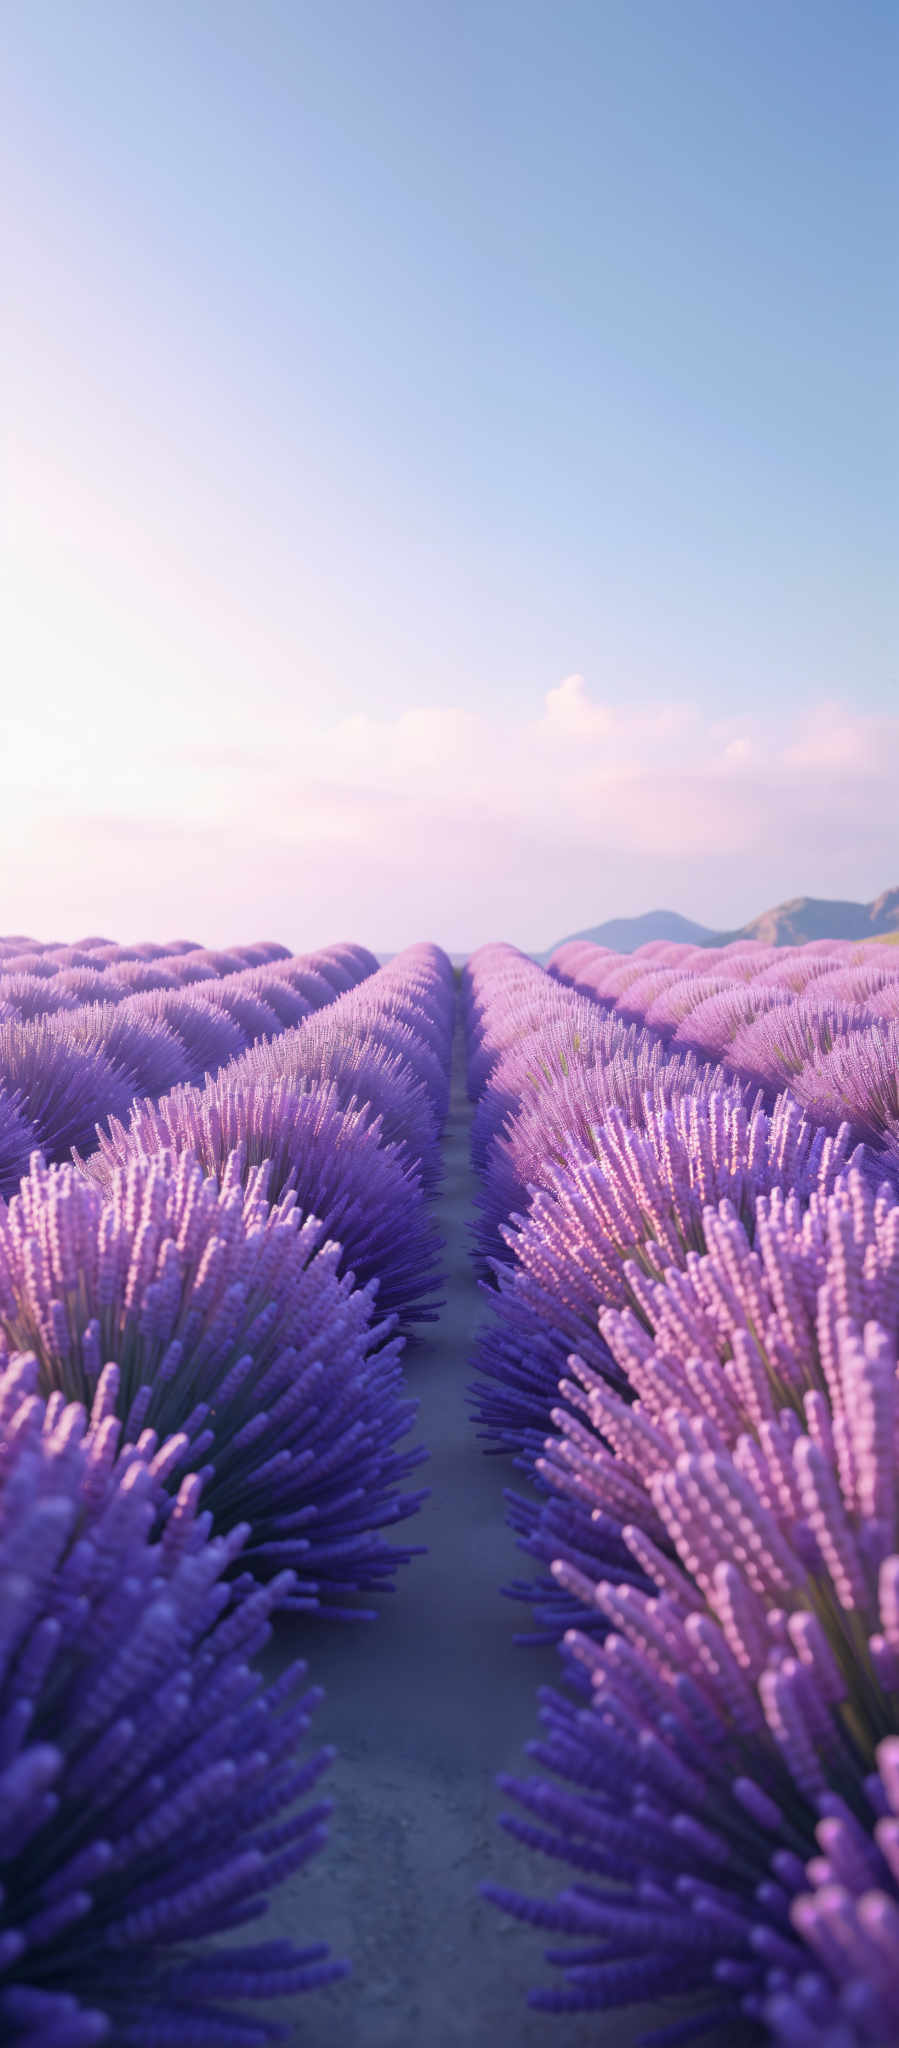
(425, 1706)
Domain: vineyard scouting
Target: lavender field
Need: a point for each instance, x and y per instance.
(449, 1437)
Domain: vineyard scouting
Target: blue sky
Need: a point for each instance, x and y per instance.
(376, 370)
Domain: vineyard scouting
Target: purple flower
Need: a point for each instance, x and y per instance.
(307, 982)
(64, 1089)
(233, 1335)
(273, 989)
(141, 1047)
(858, 1080)
(360, 957)
(209, 1036)
(364, 1066)
(559, 1119)
(82, 986)
(674, 1005)
(224, 962)
(623, 1214)
(754, 1482)
(722, 1500)
(17, 1141)
(331, 1160)
(34, 995)
(858, 980)
(883, 1005)
(28, 962)
(711, 1027)
(560, 1035)
(774, 1048)
(150, 1789)
(137, 976)
(337, 971)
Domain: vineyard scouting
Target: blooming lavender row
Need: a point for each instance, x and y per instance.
(62, 1073)
(397, 1024)
(546, 1063)
(620, 1161)
(223, 1323)
(49, 978)
(610, 1150)
(232, 1366)
(824, 1024)
(345, 1113)
(749, 1466)
(49, 957)
(47, 988)
(190, 1251)
(727, 1460)
(150, 1788)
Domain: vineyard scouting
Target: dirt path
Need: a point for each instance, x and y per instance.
(425, 1706)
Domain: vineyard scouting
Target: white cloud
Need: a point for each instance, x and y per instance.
(439, 819)
(571, 713)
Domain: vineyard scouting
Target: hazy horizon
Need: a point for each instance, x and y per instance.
(452, 461)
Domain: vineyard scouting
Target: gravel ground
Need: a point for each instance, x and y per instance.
(425, 1706)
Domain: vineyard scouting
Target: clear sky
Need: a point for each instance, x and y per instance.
(451, 474)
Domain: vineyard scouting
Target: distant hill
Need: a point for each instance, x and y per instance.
(625, 934)
(814, 917)
(788, 924)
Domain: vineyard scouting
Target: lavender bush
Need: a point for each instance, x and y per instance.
(332, 1161)
(361, 1064)
(253, 1016)
(858, 1079)
(565, 1113)
(34, 995)
(635, 1203)
(150, 1789)
(774, 1048)
(755, 1485)
(17, 1140)
(63, 1088)
(234, 1335)
(150, 1057)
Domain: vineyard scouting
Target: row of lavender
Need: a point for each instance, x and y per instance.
(821, 1019)
(202, 1421)
(78, 1043)
(699, 1293)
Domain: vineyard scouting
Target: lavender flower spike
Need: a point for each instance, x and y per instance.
(233, 1335)
(150, 1790)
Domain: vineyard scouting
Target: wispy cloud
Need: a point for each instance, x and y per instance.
(448, 821)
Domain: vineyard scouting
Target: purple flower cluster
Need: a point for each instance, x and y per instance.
(235, 1337)
(61, 1088)
(633, 1205)
(332, 1160)
(217, 1289)
(563, 1104)
(613, 1153)
(150, 1788)
(612, 1187)
(821, 1019)
(364, 1061)
(857, 1078)
(723, 1507)
(308, 1105)
(775, 1047)
(754, 1481)
(110, 1031)
(112, 969)
(17, 1138)
(384, 1045)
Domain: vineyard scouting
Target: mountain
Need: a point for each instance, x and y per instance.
(625, 934)
(788, 924)
(814, 917)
